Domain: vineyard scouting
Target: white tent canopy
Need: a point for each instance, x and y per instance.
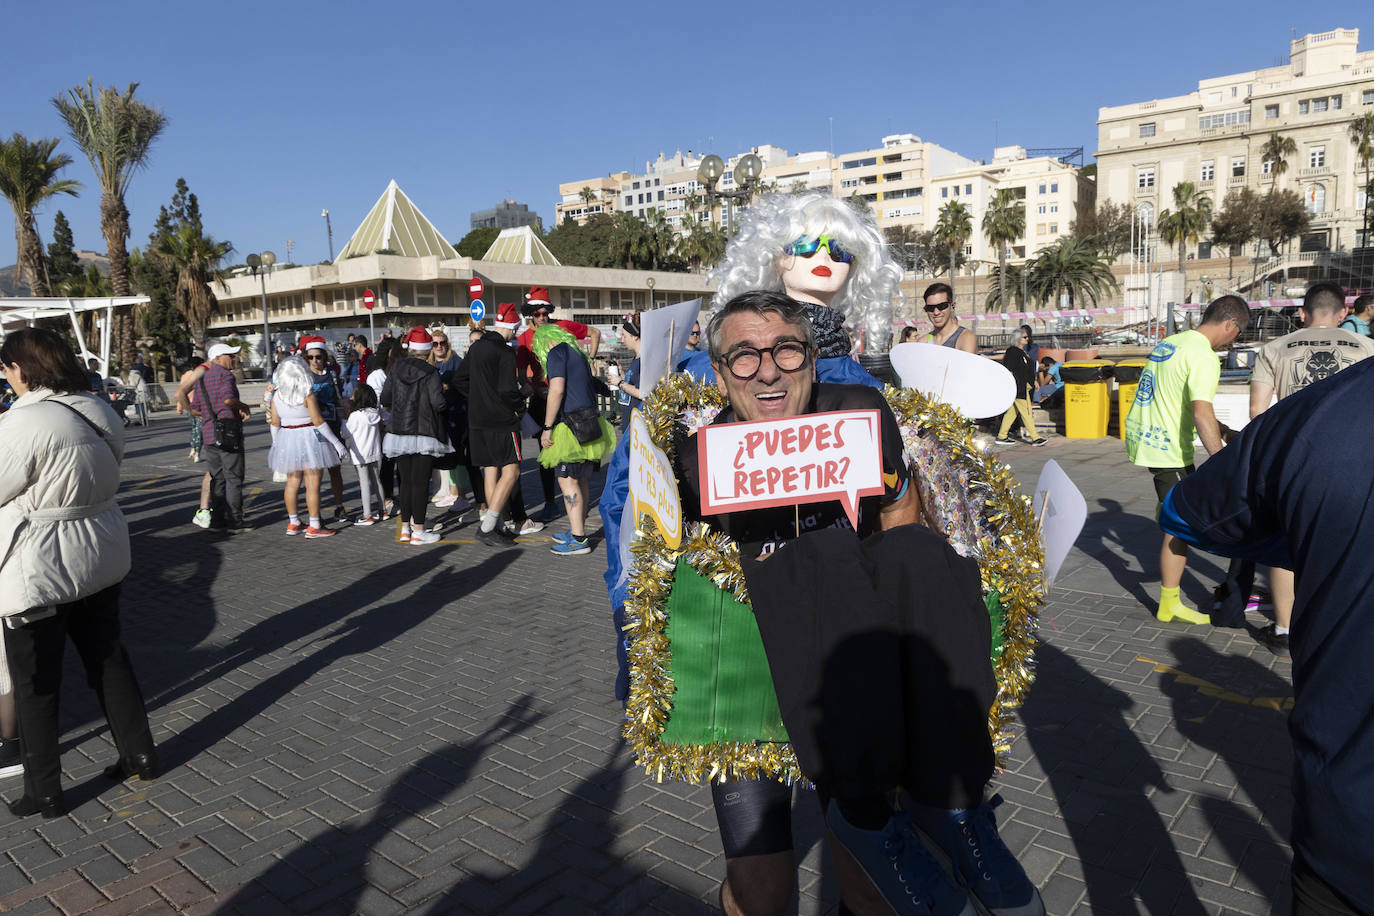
(23, 312)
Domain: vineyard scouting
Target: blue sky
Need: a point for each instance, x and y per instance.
(279, 110)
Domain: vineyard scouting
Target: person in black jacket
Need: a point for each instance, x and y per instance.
(1020, 363)
(496, 401)
(416, 434)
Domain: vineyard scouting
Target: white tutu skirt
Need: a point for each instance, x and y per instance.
(300, 449)
(394, 446)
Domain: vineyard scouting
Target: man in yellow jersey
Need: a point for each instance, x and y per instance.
(1172, 402)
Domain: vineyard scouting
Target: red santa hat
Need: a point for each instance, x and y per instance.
(419, 339)
(537, 296)
(311, 342)
(507, 316)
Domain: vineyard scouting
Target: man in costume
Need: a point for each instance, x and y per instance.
(878, 651)
(496, 400)
(1172, 401)
(1292, 490)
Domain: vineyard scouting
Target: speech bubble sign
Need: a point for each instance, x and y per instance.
(653, 485)
(1062, 510)
(975, 386)
(664, 335)
(812, 458)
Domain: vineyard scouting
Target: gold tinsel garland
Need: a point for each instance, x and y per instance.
(1009, 551)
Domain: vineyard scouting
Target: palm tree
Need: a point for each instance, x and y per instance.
(28, 176)
(1004, 222)
(115, 131)
(953, 228)
(1071, 266)
(703, 246)
(626, 242)
(1186, 222)
(1362, 135)
(1012, 283)
(587, 194)
(1276, 151)
(196, 259)
(660, 239)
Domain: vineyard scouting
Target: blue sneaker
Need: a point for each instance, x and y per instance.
(572, 546)
(969, 841)
(899, 866)
(562, 537)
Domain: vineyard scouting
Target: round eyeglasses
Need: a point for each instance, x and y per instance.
(744, 362)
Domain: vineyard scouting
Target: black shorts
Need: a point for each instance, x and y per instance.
(754, 816)
(577, 470)
(493, 448)
(1165, 478)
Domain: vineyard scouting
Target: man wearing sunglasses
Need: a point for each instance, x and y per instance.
(945, 330)
(853, 649)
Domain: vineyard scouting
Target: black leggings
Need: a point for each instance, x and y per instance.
(388, 475)
(414, 492)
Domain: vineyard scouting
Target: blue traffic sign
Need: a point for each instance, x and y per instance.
(477, 310)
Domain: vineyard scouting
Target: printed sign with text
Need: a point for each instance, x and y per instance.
(653, 486)
(807, 459)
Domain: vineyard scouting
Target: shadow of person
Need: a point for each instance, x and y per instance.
(581, 832)
(1140, 537)
(1102, 777)
(339, 857)
(1236, 707)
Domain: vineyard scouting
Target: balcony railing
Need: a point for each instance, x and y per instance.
(1320, 171)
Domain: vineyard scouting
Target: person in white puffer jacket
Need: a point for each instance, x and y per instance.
(65, 549)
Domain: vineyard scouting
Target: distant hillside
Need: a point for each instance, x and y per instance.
(10, 285)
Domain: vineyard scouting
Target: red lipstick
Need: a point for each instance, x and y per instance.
(821, 270)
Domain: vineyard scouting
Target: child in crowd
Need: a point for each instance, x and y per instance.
(1047, 383)
(363, 436)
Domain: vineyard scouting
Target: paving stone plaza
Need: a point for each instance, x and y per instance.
(357, 726)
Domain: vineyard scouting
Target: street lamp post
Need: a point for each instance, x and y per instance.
(747, 172)
(260, 265)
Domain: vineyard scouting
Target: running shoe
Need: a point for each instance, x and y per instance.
(530, 526)
(201, 519)
(562, 537)
(425, 537)
(444, 501)
(321, 532)
(1005, 440)
(405, 532)
(1037, 441)
(388, 509)
(363, 521)
(294, 527)
(572, 547)
(496, 537)
(340, 513)
(1274, 642)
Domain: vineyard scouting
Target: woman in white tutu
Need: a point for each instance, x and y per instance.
(304, 445)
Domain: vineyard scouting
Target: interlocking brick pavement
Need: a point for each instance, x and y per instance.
(356, 725)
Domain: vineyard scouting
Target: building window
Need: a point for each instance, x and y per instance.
(1336, 102)
(1209, 170)
(968, 190)
(629, 199)
(1054, 208)
(635, 186)
(944, 192)
(849, 183)
(1367, 97)
(1316, 199)
(1271, 112)
(1144, 178)
(1224, 119)
(1316, 157)
(1302, 106)
(660, 195)
(859, 163)
(1267, 167)
(1318, 106)
(1054, 228)
(1147, 129)
(893, 176)
(1054, 187)
(1238, 167)
(1042, 189)
(1040, 209)
(1204, 250)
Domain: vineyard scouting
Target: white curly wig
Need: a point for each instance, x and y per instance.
(766, 227)
(292, 380)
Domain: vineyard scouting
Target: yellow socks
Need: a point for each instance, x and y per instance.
(1171, 606)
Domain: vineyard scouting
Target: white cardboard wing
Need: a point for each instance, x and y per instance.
(666, 331)
(975, 386)
(1062, 512)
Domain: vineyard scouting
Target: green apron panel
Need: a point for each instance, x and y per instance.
(723, 690)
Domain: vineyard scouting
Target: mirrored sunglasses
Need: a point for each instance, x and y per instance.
(806, 249)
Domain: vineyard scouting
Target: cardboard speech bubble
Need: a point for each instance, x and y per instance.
(653, 485)
(1062, 512)
(812, 458)
(975, 386)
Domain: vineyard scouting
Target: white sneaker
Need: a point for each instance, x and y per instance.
(424, 537)
(531, 527)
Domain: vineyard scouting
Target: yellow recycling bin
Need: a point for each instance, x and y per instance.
(1087, 406)
(1127, 374)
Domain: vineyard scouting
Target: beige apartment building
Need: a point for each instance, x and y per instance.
(1212, 137)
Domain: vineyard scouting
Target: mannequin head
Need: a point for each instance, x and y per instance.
(756, 258)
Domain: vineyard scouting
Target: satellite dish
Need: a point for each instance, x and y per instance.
(974, 386)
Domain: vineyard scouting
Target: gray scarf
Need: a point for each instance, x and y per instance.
(831, 336)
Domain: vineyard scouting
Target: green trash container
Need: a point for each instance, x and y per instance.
(1127, 374)
(1087, 405)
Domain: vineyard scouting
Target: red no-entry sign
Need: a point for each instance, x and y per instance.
(475, 288)
(369, 299)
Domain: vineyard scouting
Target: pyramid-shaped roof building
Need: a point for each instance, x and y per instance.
(520, 246)
(396, 225)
